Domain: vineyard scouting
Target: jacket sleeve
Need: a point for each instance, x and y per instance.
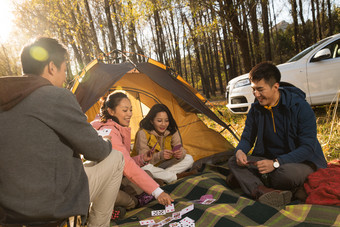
(305, 138)
(249, 133)
(176, 140)
(131, 170)
(142, 147)
(63, 115)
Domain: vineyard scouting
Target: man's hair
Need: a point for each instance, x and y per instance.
(35, 56)
(267, 71)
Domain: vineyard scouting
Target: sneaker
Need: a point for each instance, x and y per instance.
(144, 199)
(118, 213)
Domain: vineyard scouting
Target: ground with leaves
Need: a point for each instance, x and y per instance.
(327, 118)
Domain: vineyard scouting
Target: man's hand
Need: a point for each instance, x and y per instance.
(265, 166)
(167, 154)
(164, 199)
(178, 154)
(241, 158)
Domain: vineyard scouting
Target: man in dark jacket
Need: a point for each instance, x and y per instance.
(43, 132)
(282, 125)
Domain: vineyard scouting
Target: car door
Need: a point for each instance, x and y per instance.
(324, 76)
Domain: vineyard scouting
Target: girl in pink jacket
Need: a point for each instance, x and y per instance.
(115, 117)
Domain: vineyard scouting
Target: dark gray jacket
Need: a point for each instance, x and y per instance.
(41, 137)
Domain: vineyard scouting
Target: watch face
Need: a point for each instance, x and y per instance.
(276, 164)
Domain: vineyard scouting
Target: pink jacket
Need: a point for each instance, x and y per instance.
(121, 140)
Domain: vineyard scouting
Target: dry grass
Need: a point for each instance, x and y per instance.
(328, 125)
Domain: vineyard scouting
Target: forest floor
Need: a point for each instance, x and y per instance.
(328, 126)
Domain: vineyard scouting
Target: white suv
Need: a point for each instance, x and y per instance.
(315, 70)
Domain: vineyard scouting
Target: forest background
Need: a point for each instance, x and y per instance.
(207, 42)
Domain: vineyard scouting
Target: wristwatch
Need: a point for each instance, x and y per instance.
(276, 163)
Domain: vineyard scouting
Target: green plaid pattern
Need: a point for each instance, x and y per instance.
(231, 208)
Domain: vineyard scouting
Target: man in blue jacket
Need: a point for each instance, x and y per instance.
(286, 151)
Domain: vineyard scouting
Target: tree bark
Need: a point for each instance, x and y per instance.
(252, 4)
(240, 34)
(315, 35)
(93, 30)
(266, 34)
(296, 25)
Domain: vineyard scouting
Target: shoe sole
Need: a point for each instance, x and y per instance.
(277, 199)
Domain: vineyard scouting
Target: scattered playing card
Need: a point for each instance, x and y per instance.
(189, 225)
(169, 208)
(167, 220)
(175, 224)
(187, 221)
(157, 212)
(147, 222)
(208, 201)
(187, 209)
(176, 215)
(104, 132)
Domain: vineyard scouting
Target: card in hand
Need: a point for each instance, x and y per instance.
(150, 152)
(177, 147)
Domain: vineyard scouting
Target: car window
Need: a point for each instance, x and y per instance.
(306, 51)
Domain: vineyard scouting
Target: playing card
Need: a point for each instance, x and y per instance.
(208, 201)
(167, 220)
(187, 209)
(157, 212)
(152, 149)
(176, 215)
(177, 147)
(104, 132)
(147, 222)
(169, 208)
(187, 221)
(189, 225)
(159, 224)
(175, 224)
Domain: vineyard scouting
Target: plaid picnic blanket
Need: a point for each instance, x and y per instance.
(231, 208)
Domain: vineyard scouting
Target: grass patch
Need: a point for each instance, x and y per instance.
(327, 119)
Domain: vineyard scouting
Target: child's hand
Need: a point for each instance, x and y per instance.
(167, 154)
(178, 154)
(147, 156)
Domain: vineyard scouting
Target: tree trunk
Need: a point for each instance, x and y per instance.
(330, 19)
(296, 25)
(315, 35)
(318, 18)
(266, 34)
(305, 34)
(238, 32)
(254, 25)
(120, 28)
(112, 40)
(205, 84)
(93, 31)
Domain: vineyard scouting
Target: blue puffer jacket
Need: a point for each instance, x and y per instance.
(300, 126)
